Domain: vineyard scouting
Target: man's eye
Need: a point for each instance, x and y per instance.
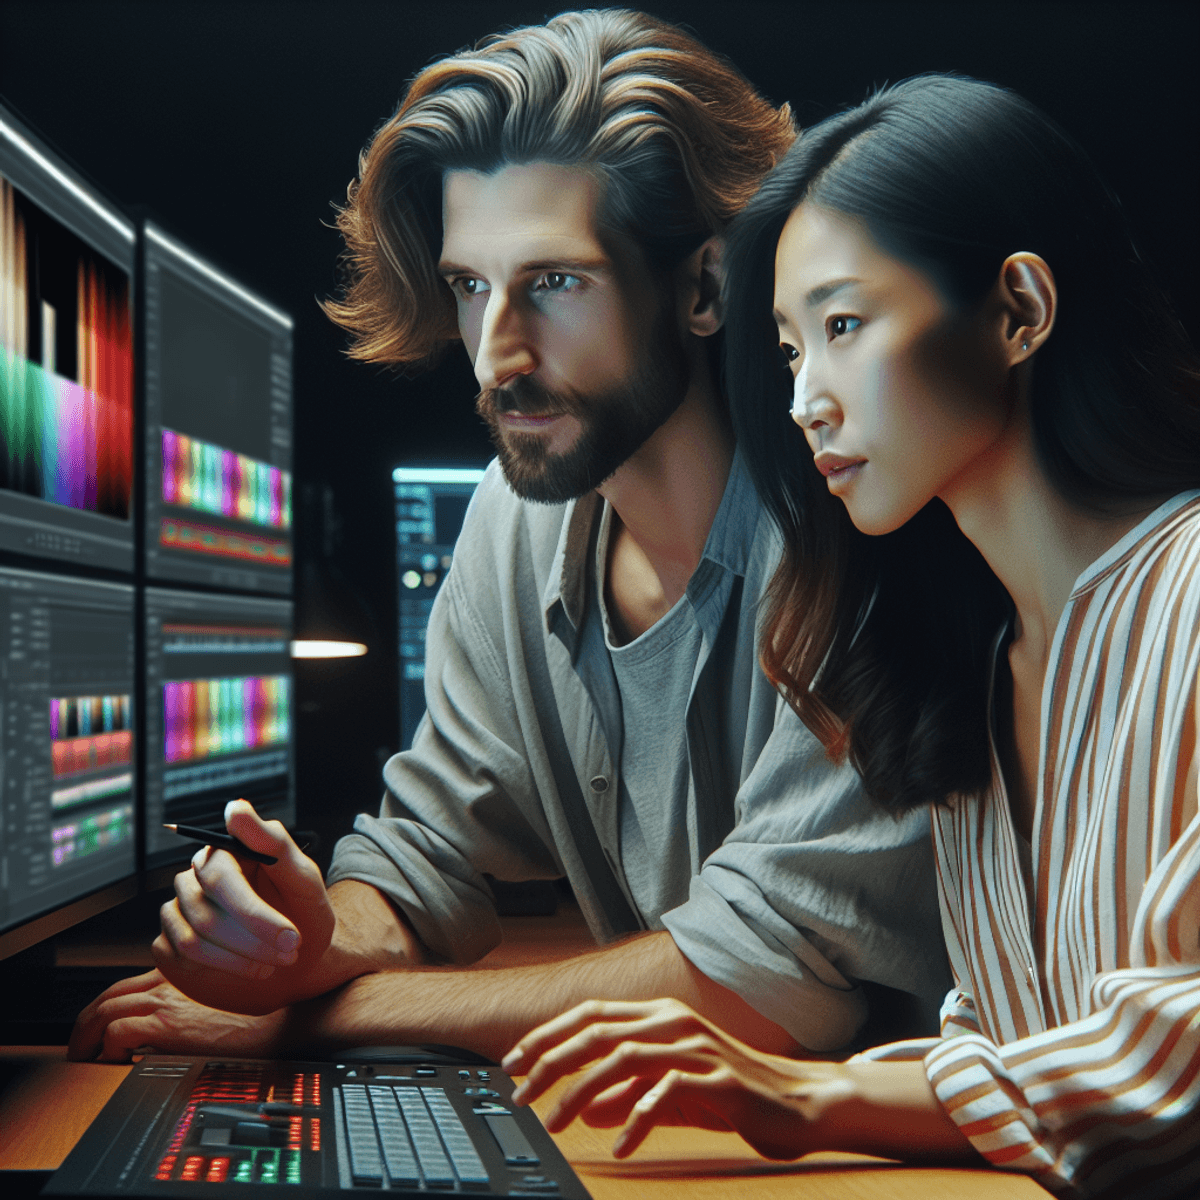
(555, 281)
(790, 353)
(469, 285)
(841, 325)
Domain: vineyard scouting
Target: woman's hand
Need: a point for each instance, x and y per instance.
(659, 1063)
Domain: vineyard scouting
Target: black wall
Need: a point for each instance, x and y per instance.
(240, 123)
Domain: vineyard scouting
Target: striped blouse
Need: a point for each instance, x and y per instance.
(1071, 1048)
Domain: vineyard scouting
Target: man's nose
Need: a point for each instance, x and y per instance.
(506, 348)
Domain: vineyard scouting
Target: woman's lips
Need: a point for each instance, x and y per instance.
(838, 471)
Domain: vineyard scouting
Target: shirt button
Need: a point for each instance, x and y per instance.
(599, 784)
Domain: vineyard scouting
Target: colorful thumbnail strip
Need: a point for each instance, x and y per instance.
(93, 789)
(207, 717)
(86, 835)
(73, 756)
(79, 716)
(68, 441)
(211, 479)
(202, 539)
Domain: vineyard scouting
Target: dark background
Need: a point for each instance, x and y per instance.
(239, 124)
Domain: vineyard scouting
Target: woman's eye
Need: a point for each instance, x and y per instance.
(555, 281)
(468, 286)
(790, 353)
(841, 325)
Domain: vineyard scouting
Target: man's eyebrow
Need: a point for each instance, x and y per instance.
(823, 291)
(446, 268)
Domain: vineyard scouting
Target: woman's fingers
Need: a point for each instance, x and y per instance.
(590, 1031)
(662, 1104)
(629, 1060)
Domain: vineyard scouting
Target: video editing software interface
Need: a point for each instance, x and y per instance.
(67, 262)
(66, 740)
(219, 715)
(431, 503)
(218, 370)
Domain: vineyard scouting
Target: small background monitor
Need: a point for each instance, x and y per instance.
(431, 503)
(218, 387)
(219, 713)
(67, 767)
(67, 260)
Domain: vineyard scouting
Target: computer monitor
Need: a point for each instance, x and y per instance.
(67, 767)
(431, 503)
(67, 259)
(219, 713)
(218, 393)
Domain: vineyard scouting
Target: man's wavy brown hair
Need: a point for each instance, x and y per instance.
(678, 136)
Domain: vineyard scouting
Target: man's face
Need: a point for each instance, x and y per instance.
(574, 346)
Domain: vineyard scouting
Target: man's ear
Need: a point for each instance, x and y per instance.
(1029, 298)
(698, 286)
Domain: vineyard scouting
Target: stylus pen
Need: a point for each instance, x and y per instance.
(222, 841)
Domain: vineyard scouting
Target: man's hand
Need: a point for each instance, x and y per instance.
(147, 1014)
(250, 938)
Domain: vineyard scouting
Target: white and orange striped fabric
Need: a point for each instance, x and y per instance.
(1072, 1049)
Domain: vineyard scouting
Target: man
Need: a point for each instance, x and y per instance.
(595, 708)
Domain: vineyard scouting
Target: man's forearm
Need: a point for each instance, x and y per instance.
(488, 1011)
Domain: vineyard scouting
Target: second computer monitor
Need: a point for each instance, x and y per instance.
(431, 503)
(219, 712)
(218, 387)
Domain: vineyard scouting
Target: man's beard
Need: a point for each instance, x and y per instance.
(614, 424)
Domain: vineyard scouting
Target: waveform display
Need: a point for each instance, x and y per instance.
(79, 716)
(66, 403)
(202, 539)
(223, 639)
(92, 790)
(211, 479)
(206, 717)
(86, 835)
(76, 755)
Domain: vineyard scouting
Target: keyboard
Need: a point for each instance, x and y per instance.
(177, 1126)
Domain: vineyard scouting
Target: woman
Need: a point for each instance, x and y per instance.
(990, 600)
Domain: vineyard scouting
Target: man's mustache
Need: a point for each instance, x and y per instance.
(525, 396)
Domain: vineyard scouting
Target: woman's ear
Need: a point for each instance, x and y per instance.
(698, 287)
(1029, 297)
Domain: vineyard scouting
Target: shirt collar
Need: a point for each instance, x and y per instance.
(727, 547)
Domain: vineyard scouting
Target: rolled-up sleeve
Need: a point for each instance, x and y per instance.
(814, 890)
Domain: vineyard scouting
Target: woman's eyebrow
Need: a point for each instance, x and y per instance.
(823, 291)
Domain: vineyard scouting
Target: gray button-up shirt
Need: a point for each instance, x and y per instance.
(800, 887)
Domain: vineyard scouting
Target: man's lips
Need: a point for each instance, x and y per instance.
(832, 465)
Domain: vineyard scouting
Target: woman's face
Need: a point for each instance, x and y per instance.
(900, 399)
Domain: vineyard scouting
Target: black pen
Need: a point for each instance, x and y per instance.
(222, 841)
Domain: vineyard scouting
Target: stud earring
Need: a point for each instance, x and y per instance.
(1024, 345)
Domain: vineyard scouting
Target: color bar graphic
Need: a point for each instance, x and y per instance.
(202, 539)
(86, 835)
(207, 717)
(68, 441)
(211, 479)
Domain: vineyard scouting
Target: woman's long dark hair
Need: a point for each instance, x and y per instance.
(881, 643)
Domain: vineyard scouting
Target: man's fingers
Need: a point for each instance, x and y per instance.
(659, 1106)
(180, 947)
(223, 881)
(88, 1034)
(214, 926)
(295, 874)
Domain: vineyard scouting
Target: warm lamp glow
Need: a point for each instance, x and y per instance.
(328, 649)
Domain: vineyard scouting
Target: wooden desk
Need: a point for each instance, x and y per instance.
(46, 1103)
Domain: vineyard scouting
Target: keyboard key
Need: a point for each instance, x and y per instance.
(435, 1166)
(462, 1151)
(398, 1154)
(513, 1143)
(366, 1168)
